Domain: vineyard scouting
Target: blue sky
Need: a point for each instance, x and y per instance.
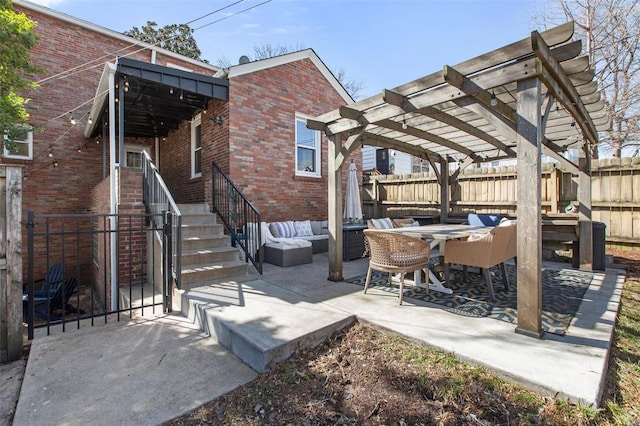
(382, 44)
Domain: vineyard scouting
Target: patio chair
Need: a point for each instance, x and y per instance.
(58, 301)
(395, 253)
(50, 283)
(484, 252)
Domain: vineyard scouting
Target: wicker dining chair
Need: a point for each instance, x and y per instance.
(491, 249)
(395, 253)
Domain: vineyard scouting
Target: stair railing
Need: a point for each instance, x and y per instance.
(157, 200)
(239, 216)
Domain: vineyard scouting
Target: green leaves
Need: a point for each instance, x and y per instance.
(177, 38)
(17, 38)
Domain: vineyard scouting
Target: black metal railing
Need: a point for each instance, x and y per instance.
(158, 202)
(239, 216)
(83, 268)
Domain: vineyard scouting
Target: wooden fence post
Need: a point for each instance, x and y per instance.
(10, 263)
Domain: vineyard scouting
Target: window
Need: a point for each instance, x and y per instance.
(133, 155)
(307, 149)
(196, 147)
(22, 144)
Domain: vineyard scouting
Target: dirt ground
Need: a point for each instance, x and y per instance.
(363, 376)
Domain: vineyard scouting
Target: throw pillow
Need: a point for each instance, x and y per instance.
(325, 227)
(274, 230)
(384, 223)
(286, 229)
(303, 228)
(316, 227)
(410, 225)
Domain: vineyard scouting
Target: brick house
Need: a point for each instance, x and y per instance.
(247, 119)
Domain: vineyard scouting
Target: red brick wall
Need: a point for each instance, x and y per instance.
(62, 47)
(100, 272)
(132, 241)
(175, 155)
(262, 109)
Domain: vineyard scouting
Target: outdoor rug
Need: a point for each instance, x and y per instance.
(562, 292)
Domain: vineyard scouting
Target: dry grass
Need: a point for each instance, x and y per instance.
(366, 377)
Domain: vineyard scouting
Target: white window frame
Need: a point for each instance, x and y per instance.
(28, 140)
(137, 149)
(197, 121)
(318, 172)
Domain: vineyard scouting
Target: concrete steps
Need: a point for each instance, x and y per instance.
(207, 254)
(258, 321)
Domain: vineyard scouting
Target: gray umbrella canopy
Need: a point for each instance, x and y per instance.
(352, 205)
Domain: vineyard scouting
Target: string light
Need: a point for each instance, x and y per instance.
(50, 155)
(126, 86)
(72, 120)
(181, 96)
(494, 100)
(90, 120)
(404, 124)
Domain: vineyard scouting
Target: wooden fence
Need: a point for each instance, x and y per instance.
(10, 263)
(615, 188)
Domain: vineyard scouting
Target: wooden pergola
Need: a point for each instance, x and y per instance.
(533, 97)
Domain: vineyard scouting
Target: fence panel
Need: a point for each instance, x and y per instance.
(615, 189)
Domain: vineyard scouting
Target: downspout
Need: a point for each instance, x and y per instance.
(113, 188)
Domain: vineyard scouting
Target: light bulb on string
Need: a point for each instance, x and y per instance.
(181, 95)
(494, 100)
(90, 120)
(72, 120)
(404, 124)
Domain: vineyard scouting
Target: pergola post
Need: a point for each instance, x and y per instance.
(335, 208)
(445, 201)
(529, 192)
(584, 209)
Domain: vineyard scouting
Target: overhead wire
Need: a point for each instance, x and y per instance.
(91, 64)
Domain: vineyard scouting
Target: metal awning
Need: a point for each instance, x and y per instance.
(156, 98)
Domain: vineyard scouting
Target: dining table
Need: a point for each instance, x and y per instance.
(437, 235)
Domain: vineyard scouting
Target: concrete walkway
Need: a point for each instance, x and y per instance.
(152, 370)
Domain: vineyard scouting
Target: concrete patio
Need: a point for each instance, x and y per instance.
(150, 370)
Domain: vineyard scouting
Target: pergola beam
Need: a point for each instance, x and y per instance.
(557, 81)
(421, 134)
(436, 95)
(553, 37)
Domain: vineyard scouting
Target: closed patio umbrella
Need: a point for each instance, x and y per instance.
(352, 206)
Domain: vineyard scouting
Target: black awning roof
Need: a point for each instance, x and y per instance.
(157, 98)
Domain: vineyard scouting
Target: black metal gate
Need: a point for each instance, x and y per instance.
(84, 268)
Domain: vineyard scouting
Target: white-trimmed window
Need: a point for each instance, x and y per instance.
(22, 148)
(133, 155)
(307, 149)
(196, 147)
